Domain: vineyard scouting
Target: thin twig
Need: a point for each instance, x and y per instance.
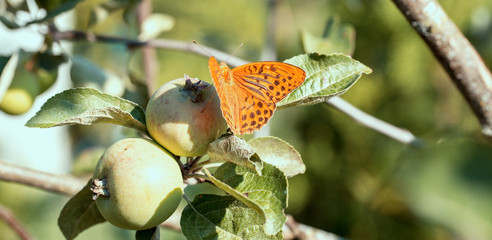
(15, 225)
(156, 43)
(191, 162)
(298, 231)
(455, 53)
(376, 124)
(198, 165)
(366, 119)
(64, 184)
(149, 56)
(197, 175)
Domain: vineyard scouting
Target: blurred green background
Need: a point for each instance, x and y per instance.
(359, 184)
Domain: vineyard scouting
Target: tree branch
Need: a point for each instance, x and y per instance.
(15, 225)
(376, 124)
(455, 53)
(149, 56)
(298, 231)
(63, 184)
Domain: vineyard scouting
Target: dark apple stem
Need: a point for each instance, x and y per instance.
(194, 161)
(181, 165)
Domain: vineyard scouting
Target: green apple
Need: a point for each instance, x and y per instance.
(19, 97)
(137, 184)
(185, 117)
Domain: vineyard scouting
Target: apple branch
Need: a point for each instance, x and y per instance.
(58, 183)
(455, 53)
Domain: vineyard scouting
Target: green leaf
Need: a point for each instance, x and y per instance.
(336, 38)
(79, 213)
(268, 191)
(148, 234)
(236, 194)
(54, 8)
(87, 106)
(222, 217)
(326, 76)
(230, 148)
(279, 153)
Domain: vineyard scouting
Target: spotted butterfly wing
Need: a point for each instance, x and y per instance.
(249, 92)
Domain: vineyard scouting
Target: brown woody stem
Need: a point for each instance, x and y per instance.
(14, 224)
(455, 53)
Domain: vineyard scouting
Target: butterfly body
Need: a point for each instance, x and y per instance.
(249, 93)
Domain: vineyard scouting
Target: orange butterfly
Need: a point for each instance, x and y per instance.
(249, 93)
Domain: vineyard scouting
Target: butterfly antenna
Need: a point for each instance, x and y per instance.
(202, 48)
(233, 53)
(209, 101)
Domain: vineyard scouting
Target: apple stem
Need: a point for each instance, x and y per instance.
(99, 188)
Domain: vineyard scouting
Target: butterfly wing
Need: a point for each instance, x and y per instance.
(264, 84)
(248, 99)
(218, 77)
(271, 80)
(236, 102)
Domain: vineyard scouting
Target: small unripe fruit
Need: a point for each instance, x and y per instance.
(21, 94)
(141, 184)
(185, 117)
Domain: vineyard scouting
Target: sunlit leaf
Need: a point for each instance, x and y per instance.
(233, 149)
(267, 192)
(235, 193)
(87, 106)
(222, 217)
(279, 153)
(79, 213)
(326, 76)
